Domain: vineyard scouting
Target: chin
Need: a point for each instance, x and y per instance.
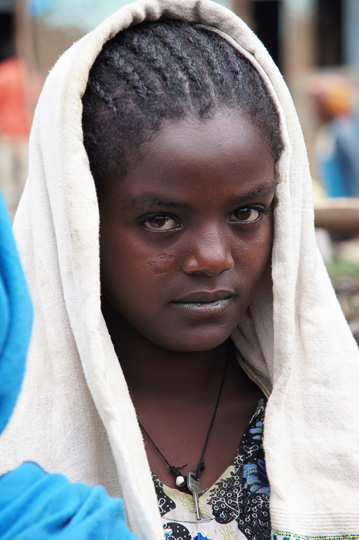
(200, 343)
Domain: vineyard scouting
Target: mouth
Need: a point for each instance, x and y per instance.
(205, 303)
(204, 297)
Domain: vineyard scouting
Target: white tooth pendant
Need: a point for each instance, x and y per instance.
(180, 481)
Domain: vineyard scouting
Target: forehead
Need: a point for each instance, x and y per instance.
(223, 153)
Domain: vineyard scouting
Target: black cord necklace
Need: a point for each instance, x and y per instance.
(191, 481)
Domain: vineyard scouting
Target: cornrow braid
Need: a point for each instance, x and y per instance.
(166, 70)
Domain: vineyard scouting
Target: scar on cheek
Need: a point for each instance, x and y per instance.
(156, 266)
(165, 257)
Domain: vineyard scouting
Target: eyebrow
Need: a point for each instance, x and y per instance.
(154, 201)
(262, 190)
(151, 200)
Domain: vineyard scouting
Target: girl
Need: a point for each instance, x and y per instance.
(169, 130)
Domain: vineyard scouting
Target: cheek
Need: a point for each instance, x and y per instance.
(253, 257)
(130, 268)
(265, 246)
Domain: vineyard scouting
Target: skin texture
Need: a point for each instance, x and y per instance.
(185, 239)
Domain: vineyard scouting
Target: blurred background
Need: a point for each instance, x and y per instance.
(315, 44)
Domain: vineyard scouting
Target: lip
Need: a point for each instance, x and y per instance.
(204, 304)
(205, 297)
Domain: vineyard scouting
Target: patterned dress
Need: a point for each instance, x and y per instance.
(237, 504)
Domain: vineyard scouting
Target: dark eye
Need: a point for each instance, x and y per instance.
(160, 223)
(246, 214)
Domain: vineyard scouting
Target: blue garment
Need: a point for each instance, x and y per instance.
(35, 505)
(347, 149)
(339, 167)
(15, 319)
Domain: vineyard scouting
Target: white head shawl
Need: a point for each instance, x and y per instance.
(75, 414)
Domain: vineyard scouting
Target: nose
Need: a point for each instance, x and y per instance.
(209, 253)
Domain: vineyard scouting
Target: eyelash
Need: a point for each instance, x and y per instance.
(161, 216)
(260, 209)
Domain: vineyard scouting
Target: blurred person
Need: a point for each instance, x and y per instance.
(337, 145)
(18, 91)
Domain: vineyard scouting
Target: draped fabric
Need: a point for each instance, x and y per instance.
(34, 504)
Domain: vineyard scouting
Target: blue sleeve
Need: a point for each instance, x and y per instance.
(15, 319)
(35, 505)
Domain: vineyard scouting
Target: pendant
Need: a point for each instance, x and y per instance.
(194, 486)
(180, 481)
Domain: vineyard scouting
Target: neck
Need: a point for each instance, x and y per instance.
(174, 394)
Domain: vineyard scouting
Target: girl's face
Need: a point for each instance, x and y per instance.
(186, 235)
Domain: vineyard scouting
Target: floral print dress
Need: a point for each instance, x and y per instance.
(237, 504)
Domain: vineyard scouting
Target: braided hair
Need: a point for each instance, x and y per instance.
(160, 71)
